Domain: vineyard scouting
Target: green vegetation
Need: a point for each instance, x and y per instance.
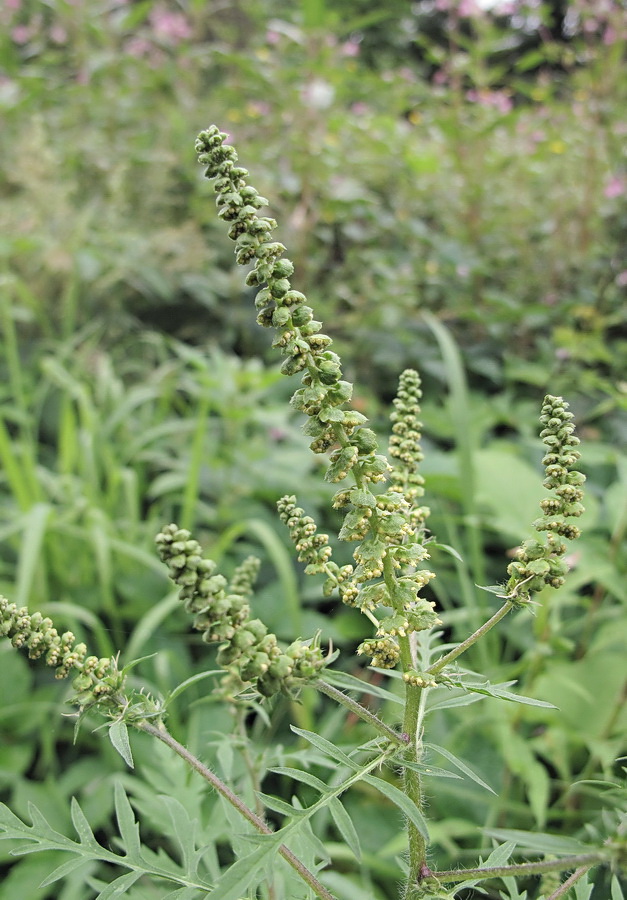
(451, 188)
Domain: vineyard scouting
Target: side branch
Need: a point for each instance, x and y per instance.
(472, 639)
(533, 868)
(359, 710)
(160, 732)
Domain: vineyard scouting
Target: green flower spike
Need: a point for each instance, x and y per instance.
(244, 577)
(312, 548)
(95, 679)
(405, 444)
(249, 652)
(540, 563)
(281, 307)
(384, 651)
(387, 526)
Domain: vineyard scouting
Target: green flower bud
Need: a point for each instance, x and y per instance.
(280, 316)
(301, 315)
(279, 288)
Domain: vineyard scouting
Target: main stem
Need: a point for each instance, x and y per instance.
(411, 779)
(160, 731)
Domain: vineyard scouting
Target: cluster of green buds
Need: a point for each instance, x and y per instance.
(386, 526)
(97, 680)
(248, 651)
(405, 446)
(324, 393)
(539, 563)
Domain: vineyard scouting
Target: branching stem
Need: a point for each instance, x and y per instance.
(472, 639)
(159, 731)
(359, 710)
(580, 860)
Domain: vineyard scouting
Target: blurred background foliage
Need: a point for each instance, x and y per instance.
(451, 184)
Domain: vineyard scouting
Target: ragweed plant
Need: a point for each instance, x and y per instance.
(387, 525)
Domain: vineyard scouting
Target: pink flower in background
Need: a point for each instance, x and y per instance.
(22, 34)
(350, 48)
(272, 37)
(137, 46)
(495, 99)
(170, 27)
(58, 34)
(621, 278)
(468, 8)
(614, 188)
(259, 108)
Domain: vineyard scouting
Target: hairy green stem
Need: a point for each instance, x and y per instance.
(411, 778)
(533, 868)
(359, 710)
(564, 888)
(159, 731)
(472, 639)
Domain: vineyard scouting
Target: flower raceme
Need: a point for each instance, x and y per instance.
(541, 563)
(248, 651)
(389, 526)
(96, 679)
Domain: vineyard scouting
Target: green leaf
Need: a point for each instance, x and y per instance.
(400, 799)
(344, 825)
(372, 548)
(500, 855)
(280, 806)
(41, 827)
(298, 775)
(446, 548)
(184, 830)
(82, 826)
(35, 524)
(391, 524)
(497, 589)
(352, 518)
(361, 497)
(242, 874)
(199, 676)
(500, 692)
(119, 886)
(461, 766)
(449, 701)
(331, 414)
(11, 825)
(351, 683)
(326, 747)
(66, 868)
(424, 768)
(185, 893)
(118, 735)
(540, 842)
(129, 829)
(343, 462)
